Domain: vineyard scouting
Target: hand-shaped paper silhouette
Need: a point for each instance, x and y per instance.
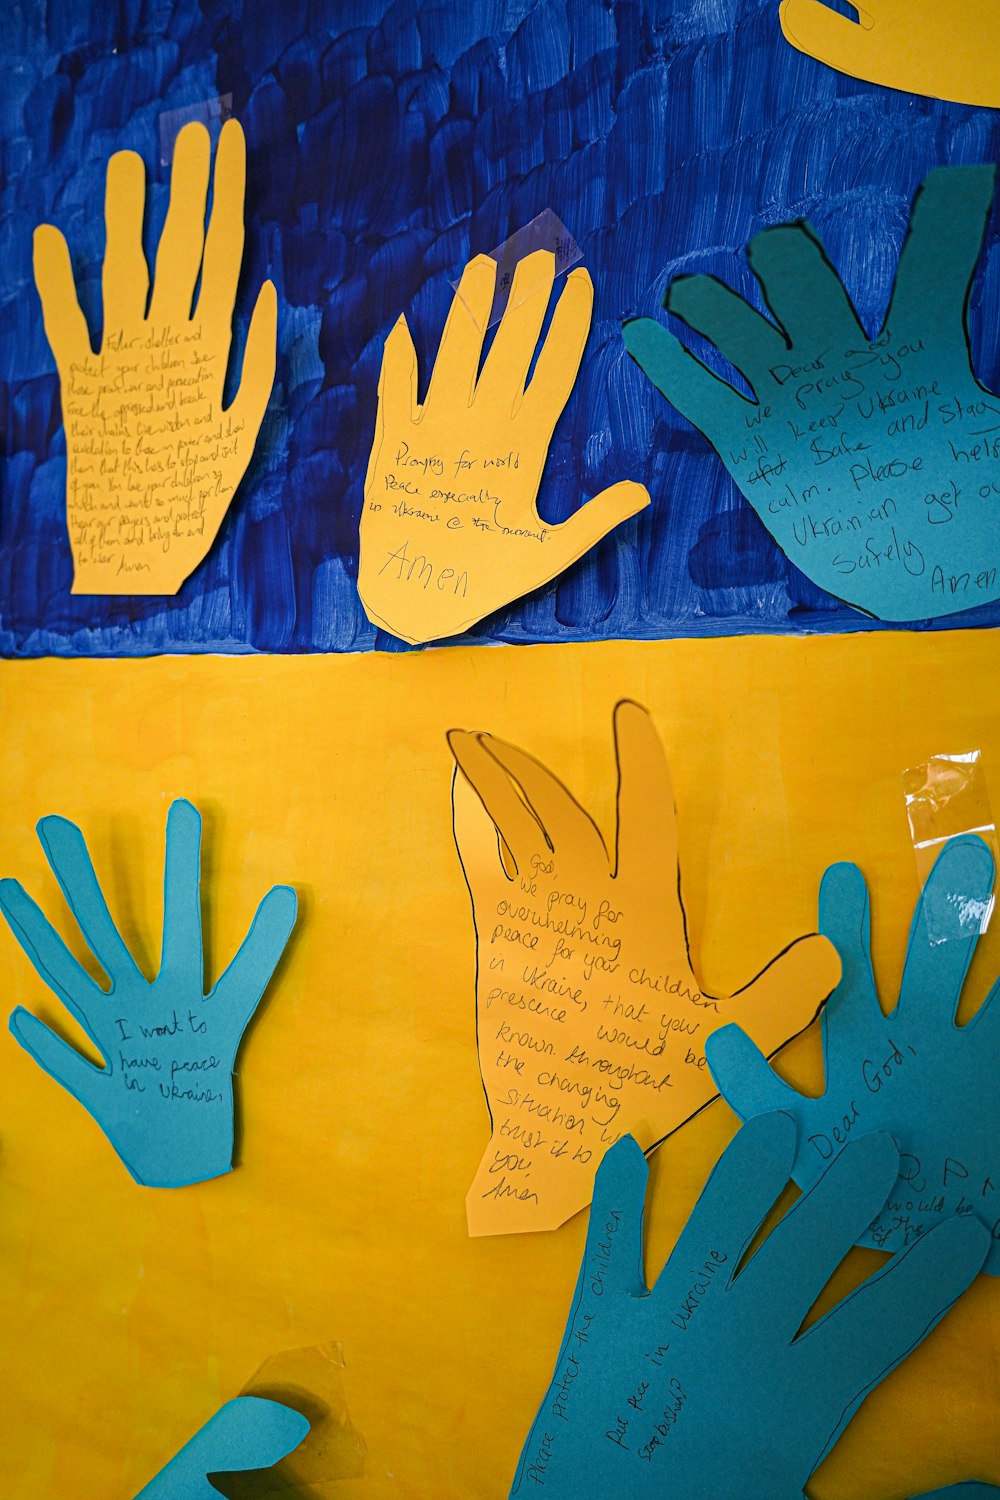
(920, 46)
(152, 459)
(700, 1386)
(874, 464)
(247, 1433)
(913, 1072)
(449, 530)
(164, 1097)
(590, 1021)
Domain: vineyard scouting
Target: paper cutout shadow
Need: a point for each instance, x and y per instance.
(450, 531)
(164, 1097)
(590, 1021)
(152, 458)
(914, 1073)
(650, 1394)
(247, 1433)
(919, 46)
(874, 464)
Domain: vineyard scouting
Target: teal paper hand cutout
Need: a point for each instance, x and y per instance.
(165, 1095)
(246, 1433)
(971, 1490)
(700, 1386)
(914, 1073)
(874, 464)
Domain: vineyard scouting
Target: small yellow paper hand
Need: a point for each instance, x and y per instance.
(590, 1021)
(449, 530)
(152, 459)
(921, 46)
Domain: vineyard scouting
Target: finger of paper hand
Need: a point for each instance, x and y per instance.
(49, 955)
(802, 289)
(182, 952)
(868, 1333)
(647, 817)
(782, 1000)
(802, 1251)
(249, 973)
(741, 1190)
(815, 28)
(457, 365)
(397, 382)
(946, 929)
(743, 1075)
(619, 1199)
(845, 918)
(125, 274)
(70, 862)
(940, 254)
(257, 374)
(56, 1057)
(498, 796)
(506, 368)
(178, 257)
(220, 271)
(746, 338)
(558, 362)
(65, 325)
(595, 518)
(571, 831)
(710, 404)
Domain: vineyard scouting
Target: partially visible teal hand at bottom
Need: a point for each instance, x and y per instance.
(971, 1490)
(247, 1433)
(164, 1097)
(703, 1385)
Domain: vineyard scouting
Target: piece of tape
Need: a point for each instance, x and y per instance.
(545, 232)
(944, 797)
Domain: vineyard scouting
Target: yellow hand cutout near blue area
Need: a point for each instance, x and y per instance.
(914, 1073)
(703, 1385)
(246, 1433)
(874, 463)
(164, 1097)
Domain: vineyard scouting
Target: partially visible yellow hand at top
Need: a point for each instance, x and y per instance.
(450, 530)
(920, 46)
(152, 459)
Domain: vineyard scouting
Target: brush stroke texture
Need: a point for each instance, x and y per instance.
(388, 142)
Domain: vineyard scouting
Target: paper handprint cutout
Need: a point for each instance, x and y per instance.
(249, 1432)
(874, 464)
(702, 1385)
(920, 46)
(914, 1073)
(450, 530)
(590, 1021)
(164, 1097)
(152, 458)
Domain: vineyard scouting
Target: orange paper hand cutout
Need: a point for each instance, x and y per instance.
(450, 530)
(152, 459)
(919, 46)
(590, 1020)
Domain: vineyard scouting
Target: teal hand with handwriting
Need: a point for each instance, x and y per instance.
(874, 463)
(703, 1384)
(913, 1072)
(249, 1432)
(164, 1096)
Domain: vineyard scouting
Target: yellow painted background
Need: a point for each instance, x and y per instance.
(128, 1314)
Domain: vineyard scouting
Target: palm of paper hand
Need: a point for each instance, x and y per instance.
(450, 531)
(650, 1391)
(914, 1073)
(874, 464)
(164, 1097)
(591, 1022)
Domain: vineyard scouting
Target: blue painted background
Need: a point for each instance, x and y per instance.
(388, 143)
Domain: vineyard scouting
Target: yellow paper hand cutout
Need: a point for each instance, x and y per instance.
(590, 1021)
(920, 46)
(152, 459)
(449, 530)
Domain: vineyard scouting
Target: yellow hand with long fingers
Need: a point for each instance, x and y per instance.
(919, 46)
(450, 530)
(152, 458)
(590, 1021)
